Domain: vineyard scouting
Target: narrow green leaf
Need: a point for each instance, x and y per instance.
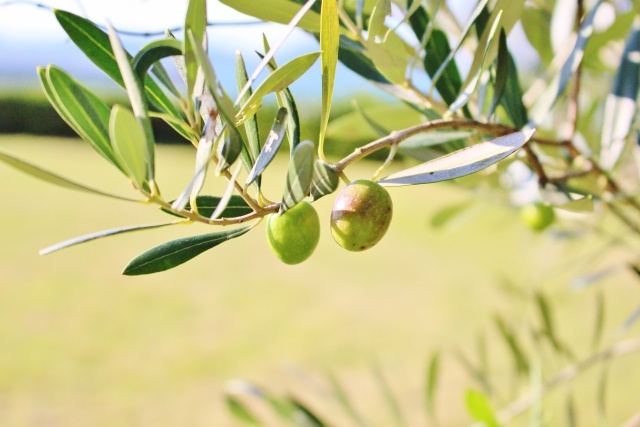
(179, 125)
(101, 234)
(299, 176)
(571, 411)
(55, 179)
(512, 97)
(127, 138)
(176, 252)
(462, 162)
(206, 205)
(154, 52)
(431, 384)
(476, 373)
(329, 42)
(94, 43)
(241, 411)
(138, 103)
(203, 158)
(502, 73)
(304, 416)
(276, 81)
(620, 107)
(480, 409)
(602, 391)
(353, 55)
(195, 23)
(251, 125)
(558, 83)
(325, 180)
(229, 150)
(87, 114)
(280, 11)
(520, 359)
(271, 146)
(342, 398)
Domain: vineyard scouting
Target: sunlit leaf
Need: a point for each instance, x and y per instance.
(195, 24)
(271, 146)
(52, 178)
(87, 114)
(277, 81)
(325, 180)
(176, 252)
(128, 140)
(280, 11)
(480, 409)
(386, 50)
(101, 234)
(462, 162)
(329, 42)
(299, 175)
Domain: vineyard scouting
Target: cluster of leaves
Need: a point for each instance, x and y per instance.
(541, 385)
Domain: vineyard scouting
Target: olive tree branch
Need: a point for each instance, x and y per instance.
(570, 372)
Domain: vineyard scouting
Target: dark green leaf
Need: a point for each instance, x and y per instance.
(94, 43)
(502, 73)
(303, 416)
(176, 252)
(229, 150)
(271, 146)
(512, 97)
(325, 180)
(152, 53)
(462, 162)
(52, 178)
(299, 176)
(205, 206)
(353, 55)
(250, 126)
(480, 409)
(101, 234)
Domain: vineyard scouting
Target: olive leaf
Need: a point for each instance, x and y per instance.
(462, 162)
(299, 175)
(271, 146)
(325, 179)
(205, 205)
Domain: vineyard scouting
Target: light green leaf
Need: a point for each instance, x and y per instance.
(431, 383)
(329, 42)
(462, 162)
(195, 23)
(138, 103)
(299, 175)
(271, 146)
(101, 234)
(87, 114)
(480, 409)
(445, 215)
(176, 252)
(127, 138)
(241, 411)
(280, 11)
(55, 179)
(325, 179)
(386, 49)
(276, 81)
(536, 24)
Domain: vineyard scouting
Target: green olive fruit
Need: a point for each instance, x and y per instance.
(361, 215)
(294, 235)
(537, 216)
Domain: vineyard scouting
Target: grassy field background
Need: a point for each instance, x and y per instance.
(81, 345)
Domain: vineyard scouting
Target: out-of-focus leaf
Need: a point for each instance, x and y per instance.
(389, 397)
(325, 180)
(592, 278)
(196, 24)
(558, 83)
(299, 175)
(386, 49)
(101, 234)
(477, 67)
(87, 114)
(241, 411)
(445, 215)
(128, 140)
(271, 146)
(138, 103)
(598, 324)
(502, 73)
(420, 146)
(374, 125)
(602, 391)
(431, 384)
(94, 43)
(560, 29)
(462, 162)
(480, 409)
(620, 107)
(520, 359)
(280, 11)
(276, 81)
(329, 42)
(345, 402)
(52, 178)
(205, 205)
(631, 320)
(548, 326)
(303, 415)
(476, 373)
(536, 25)
(176, 252)
(571, 411)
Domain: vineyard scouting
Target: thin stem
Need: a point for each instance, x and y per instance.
(566, 375)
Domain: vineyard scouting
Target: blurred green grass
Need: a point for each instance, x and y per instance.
(83, 345)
